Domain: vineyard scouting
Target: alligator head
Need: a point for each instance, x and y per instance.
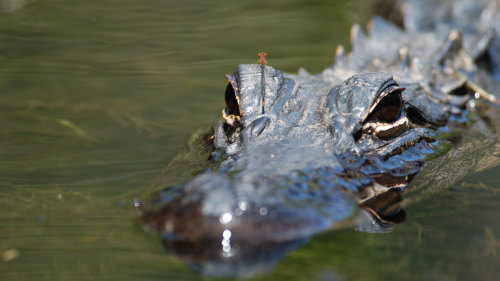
(302, 166)
(299, 167)
(299, 154)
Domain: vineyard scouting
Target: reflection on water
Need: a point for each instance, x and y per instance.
(98, 97)
(248, 254)
(244, 260)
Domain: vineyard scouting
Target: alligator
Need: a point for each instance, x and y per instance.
(299, 154)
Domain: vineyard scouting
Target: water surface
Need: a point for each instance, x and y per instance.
(98, 97)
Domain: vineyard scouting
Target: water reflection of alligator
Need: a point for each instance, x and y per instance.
(299, 153)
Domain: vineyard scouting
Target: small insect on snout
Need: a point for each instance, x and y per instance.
(262, 58)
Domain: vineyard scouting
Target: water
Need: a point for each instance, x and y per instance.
(97, 97)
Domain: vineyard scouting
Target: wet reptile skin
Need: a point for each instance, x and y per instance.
(302, 153)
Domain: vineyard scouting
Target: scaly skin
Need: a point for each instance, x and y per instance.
(300, 153)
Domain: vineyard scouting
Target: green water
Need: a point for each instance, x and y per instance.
(97, 97)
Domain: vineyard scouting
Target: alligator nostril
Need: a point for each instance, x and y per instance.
(231, 101)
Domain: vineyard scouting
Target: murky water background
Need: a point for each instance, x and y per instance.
(97, 97)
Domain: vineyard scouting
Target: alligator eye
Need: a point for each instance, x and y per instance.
(388, 109)
(387, 118)
(231, 101)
